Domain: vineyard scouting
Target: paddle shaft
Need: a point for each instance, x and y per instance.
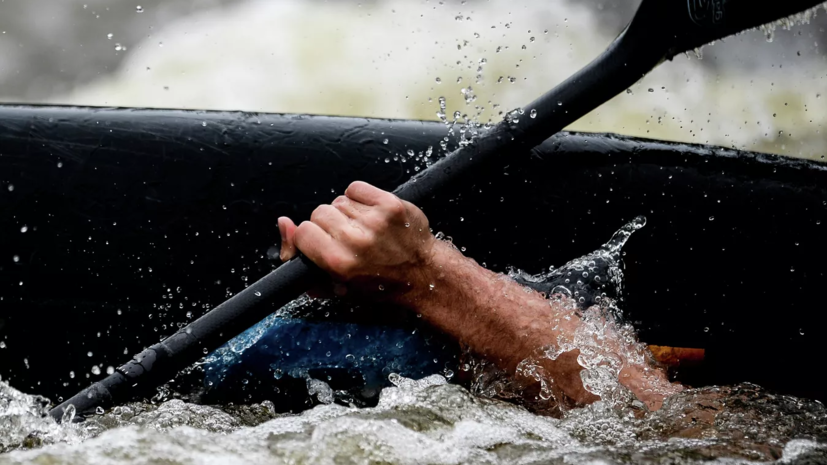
(615, 70)
(626, 60)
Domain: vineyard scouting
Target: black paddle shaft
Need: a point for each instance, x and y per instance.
(660, 30)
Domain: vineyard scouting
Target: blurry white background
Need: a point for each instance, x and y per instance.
(384, 58)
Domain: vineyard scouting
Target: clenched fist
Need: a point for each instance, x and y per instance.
(371, 243)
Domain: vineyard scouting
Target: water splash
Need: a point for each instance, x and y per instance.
(587, 290)
(431, 421)
(24, 422)
(790, 22)
(589, 279)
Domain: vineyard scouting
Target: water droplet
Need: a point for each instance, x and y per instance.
(139, 9)
(513, 116)
(706, 329)
(204, 123)
(96, 370)
(110, 36)
(68, 415)
(381, 287)
(110, 370)
(407, 225)
(387, 160)
(385, 142)
(16, 258)
(559, 103)
(711, 218)
(651, 90)
(24, 228)
(258, 294)
(533, 113)
(438, 80)
(119, 47)
(801, 331)
(2, 344)
(431, 287)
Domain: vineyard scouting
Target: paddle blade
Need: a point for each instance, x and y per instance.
(684, 25)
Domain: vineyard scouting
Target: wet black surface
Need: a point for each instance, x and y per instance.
(734, 241)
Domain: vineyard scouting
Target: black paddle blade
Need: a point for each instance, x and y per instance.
(684, 25)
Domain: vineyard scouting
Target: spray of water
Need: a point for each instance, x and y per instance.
(586, 290)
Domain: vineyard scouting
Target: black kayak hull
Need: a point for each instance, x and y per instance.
(116, 223)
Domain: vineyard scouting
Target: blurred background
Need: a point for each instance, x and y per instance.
(763, 90)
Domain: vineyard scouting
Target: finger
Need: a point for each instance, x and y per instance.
(320, 247)
(287, 229)
(363, 192)
(352, 209)
(331, 219)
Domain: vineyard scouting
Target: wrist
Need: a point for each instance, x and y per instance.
(433, 280)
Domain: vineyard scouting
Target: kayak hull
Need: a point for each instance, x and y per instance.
(119, 224)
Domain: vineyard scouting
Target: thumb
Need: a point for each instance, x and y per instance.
(287, 229)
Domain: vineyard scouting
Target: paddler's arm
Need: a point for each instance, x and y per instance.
(378, 247)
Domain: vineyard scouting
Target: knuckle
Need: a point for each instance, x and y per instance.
(315, 214)
(374, 223)
(354, 186)
(340, 200)
(396, 208)
(320, 212)
(363, 241)
(300, 234)
(301, 229)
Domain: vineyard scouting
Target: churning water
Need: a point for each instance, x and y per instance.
(425, 421)
(430, 421)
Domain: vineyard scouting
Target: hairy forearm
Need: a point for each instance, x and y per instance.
(508, 324)
(496, 317)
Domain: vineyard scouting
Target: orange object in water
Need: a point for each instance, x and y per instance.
(675, 356)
